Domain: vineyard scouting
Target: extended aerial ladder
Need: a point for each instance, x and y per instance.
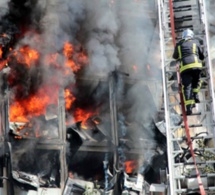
(191, 150)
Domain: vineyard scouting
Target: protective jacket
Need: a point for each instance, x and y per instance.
(189, 53)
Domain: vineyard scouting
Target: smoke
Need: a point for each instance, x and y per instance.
(3, 8)
(135, 27)
(113, 39)
(101, 30)
(112, 36)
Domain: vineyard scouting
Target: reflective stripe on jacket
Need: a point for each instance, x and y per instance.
(189, 53)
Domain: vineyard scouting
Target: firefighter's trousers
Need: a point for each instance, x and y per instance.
(191, 85)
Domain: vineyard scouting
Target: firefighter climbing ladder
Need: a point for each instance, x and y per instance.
(191, 152)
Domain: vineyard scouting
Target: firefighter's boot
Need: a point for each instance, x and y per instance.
(189, 109)
(196, 97)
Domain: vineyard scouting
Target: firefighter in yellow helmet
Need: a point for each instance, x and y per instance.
(188, 51)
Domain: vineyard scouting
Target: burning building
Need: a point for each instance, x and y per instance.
(81, 91)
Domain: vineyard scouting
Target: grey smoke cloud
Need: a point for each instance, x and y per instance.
(3, 7)
(116, 34)
(101, 30)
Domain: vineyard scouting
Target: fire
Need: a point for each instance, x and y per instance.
(74, 59)
(34, 105)
(1, 52)
(3, 63)
(68, 50)
(69, 98)
(26, 55)
(70, 64)
(83, 115)
(130, 166)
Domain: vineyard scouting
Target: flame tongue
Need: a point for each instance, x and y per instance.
(34, 105)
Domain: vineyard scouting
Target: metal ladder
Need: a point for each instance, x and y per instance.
(174, 17)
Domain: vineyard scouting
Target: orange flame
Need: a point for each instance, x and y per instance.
(1, 52)
(35, 105)
(69, 98)
(83, 115)
(130, 166)
(26, 55)
(68, 50)
(74, 59)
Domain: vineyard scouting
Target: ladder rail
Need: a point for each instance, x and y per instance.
(208, 61)
(172, 182)
(189, 141)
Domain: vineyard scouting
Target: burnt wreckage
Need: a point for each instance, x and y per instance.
(100, 154)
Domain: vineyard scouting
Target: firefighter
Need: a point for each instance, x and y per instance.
(190, 55)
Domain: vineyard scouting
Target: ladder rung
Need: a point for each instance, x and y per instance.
(192, 163)
(181, 19)
(180, 0)
(176, 92)
(193, 137)
(193, 125)
(199, 149)
(194, 114)
(186, 190)
(184, 9)
(195, 176)
(201, 102)
(173, 69)
(182, 6)
(181, 28)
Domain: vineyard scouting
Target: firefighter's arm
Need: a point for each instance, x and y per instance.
(200, 52)
(175, 54)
